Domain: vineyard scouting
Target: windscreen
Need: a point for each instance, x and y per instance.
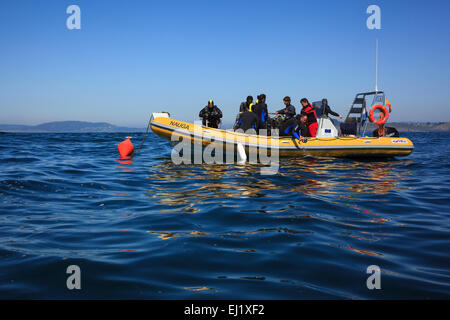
(318, 106)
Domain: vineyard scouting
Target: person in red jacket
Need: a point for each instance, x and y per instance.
(312, 117)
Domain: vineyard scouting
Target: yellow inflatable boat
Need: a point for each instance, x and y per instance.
(287, 146)
(327, 142)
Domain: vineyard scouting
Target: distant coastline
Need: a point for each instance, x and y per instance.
(68, 126)
(417, 126)
(85, 126)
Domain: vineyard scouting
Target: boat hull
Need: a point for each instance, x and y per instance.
(286, 146)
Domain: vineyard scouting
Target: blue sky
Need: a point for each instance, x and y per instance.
(131, 58)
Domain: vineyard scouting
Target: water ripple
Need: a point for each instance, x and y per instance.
(146, 228)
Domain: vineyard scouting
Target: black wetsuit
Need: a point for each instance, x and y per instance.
(327, 110)
(212, 115)
(389, 132)
(247, 120)
(244, 107)
(295, 128)
(288, 111)
(263, 114)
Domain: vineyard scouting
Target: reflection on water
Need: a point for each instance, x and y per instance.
(164, 235)
(197, 288)
(127, 164)
(366, 252)
(325, 179)
(288, 196)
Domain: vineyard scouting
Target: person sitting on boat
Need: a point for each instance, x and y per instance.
(260, 109)
(296, 126)
(247, 120)
(289, 109)
(311, 115)
(211, 115)
(383, 131)
(246, 105)
(327, 109)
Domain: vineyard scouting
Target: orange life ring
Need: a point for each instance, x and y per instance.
(382, 109)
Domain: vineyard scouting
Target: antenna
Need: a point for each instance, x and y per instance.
(376, 67)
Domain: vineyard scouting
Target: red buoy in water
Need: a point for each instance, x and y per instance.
(125, 148)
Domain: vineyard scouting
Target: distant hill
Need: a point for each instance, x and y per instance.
(68, 126)
(417, 126)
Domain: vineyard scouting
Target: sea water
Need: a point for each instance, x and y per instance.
(147, 228)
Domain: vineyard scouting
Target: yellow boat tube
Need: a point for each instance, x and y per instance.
(369, 147)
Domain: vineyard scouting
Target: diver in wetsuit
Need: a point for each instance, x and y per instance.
(289, 109)
(211, 114)
(383, 131)
(296, 126)
(247, 105)
(327, 109)
(313, 125)
(247, 120)
(260, 109)
(386, 132)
